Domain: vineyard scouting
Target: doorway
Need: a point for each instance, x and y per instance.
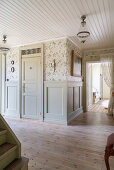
(31, 81)
(31, 87)
(97, 91)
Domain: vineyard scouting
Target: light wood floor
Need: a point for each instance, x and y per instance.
(79, 146)
(101, 106)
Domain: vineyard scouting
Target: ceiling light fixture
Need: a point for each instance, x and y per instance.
(83, 34)
(3, 48)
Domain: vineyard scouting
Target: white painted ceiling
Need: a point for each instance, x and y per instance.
(31, 21)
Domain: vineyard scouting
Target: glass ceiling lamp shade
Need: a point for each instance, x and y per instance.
(83, 33)
(3, 48)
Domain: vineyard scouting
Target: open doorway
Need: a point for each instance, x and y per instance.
(98, 92)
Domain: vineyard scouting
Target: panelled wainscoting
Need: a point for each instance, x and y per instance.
(62, 101)
(55, 102)
(12, 98)
(74, 100)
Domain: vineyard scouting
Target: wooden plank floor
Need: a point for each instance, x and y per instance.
(79, 146)
(101, 106)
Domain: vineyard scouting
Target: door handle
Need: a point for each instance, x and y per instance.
(23, 88)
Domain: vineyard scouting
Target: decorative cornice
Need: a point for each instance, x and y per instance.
(74, 43)
(98, 52)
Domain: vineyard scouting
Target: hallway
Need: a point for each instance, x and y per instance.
(79, 146)
(100, 106)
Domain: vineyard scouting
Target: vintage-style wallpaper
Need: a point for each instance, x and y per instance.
(70, 46)
(12, 55)
(55, 50)
(59, 50)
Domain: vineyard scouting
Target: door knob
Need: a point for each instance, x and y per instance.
(23, 87)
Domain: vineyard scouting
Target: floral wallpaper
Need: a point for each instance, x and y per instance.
(59, 50)
(70, 46)
(55, 50)
(12, 55)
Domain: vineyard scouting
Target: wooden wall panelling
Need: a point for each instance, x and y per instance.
(62, 101)
(74, 100)
(12, 100)
(55, 102)
(70, 101)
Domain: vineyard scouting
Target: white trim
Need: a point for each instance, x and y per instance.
(12, 112)
(59, 118)
(80, 48)
(0, 83)
(20, 84)
(42, 81)
(61, 122)
(101, 49)
(75, 114)
(107, 54)
(20, 76)
(8, 115)
(31, 55)
(3, 83)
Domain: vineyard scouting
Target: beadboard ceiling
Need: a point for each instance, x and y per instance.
(31, 21)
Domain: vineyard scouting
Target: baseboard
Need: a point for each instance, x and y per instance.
(75, 114)
(6, 115)
(61, 122)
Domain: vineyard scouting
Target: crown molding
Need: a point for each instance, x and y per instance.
(74, 43)
(98, 52)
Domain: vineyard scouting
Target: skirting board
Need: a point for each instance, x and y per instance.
(55, 121)
(32, 117)
(74, 114)
(10, 116)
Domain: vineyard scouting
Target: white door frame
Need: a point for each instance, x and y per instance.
(1, 86)
(41, 117)
(87, 62)
(87, 90)
(3, 93)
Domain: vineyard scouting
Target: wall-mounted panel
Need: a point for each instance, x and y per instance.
(30, 105)
(55, 102)
(70, 100)
(81, 97)
(74, 100)
(11, 97)
(12, 100)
